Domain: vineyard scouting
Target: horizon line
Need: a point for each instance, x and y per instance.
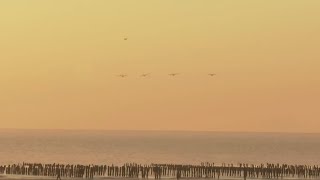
(160, 130)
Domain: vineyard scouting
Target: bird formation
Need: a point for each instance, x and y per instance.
(148, 74)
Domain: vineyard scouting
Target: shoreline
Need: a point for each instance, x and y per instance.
(24, 177)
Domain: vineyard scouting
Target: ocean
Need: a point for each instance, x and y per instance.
(118, 147)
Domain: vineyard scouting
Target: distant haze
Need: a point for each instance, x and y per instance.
(60, 61)
(119, 147)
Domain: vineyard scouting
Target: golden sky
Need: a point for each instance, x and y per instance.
(59, 61)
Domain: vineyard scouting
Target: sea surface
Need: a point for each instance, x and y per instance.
(118, 147)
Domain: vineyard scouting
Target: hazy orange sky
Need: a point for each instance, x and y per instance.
(59, 61)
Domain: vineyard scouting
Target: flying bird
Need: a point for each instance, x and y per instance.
(211, 74)
(125, 38)
(122, 75)
(173, 74)
(145, 75)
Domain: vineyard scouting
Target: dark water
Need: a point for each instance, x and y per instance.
(101, 147)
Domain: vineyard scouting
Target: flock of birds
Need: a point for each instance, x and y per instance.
(148, 74)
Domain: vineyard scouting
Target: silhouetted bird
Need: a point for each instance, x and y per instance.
(173, 74)
(125, 39)
(211, 74)
(122, 75)
(145, 75)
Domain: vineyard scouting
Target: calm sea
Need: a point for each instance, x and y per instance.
(117, 147)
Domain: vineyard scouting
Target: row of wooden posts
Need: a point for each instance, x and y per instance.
(158, 171)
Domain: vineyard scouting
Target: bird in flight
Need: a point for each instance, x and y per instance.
(122, 75)
(211, 74)
(145, 75)
(173, 74)
(125, 38)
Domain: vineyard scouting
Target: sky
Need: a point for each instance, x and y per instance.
(59, 62)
